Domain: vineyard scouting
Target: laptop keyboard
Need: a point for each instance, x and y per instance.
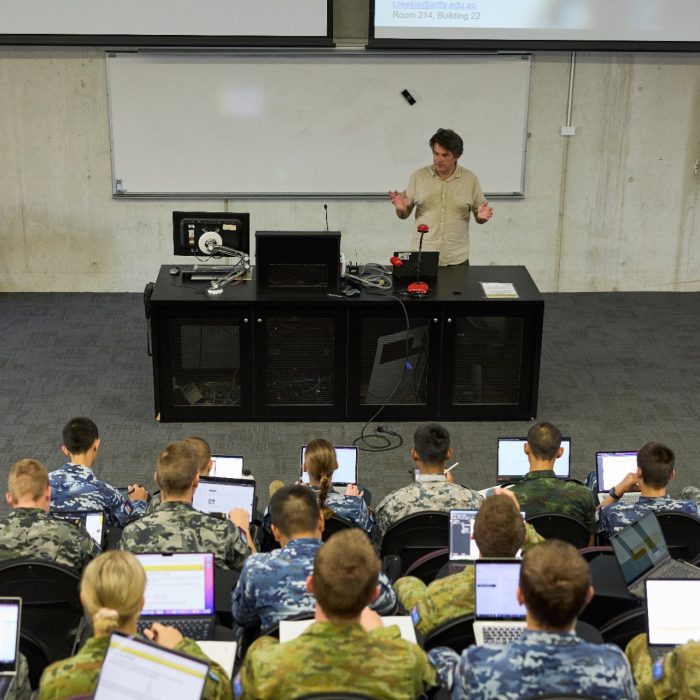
(502, 635)
(677, 569)
(195, 628)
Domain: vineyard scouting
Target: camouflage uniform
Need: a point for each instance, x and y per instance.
(75, 487)
(543, 492)
(332, 657)
(153, 503)
(614, 517)
(78, 674)
(272, 586)
(445, 598)
(429, 492)
(352, 508)
(675, 676)
(538, 663)
(30, 533)
(20, 688)
(178, 527)
(690, 493)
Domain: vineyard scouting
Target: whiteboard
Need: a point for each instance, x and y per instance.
(310, 123)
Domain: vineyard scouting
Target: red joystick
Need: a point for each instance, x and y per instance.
(418, 288)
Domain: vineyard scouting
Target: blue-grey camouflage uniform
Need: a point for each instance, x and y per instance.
(178, 527)
(616, 516)
(30, 533)
(536, 664)
(75, 487)
(429, 492)
(272, 586)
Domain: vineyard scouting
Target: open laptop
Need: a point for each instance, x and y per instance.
(641, 552)
(512, 463)
(227, 466)
(408, 271)
(92, 521)
(179, 592)
(673, 613)
(218, 496)
(345, 474)
(498, 617)
(10, 618)
(463, 548)
(611, 469)
(133, 666)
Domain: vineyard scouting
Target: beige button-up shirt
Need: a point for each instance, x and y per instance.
(445, 205)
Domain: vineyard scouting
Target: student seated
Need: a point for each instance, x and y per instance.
(205, 466)
(555, 586)
(346, 649)
(541, 491)
(675, 676)
(272, 586)
(655, 469)
(75, 487)
(29, 532)
(112, 592)
(499, 531)
(433, 489)
(176, 526)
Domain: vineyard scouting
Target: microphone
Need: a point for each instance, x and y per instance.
(419, 288)
(395, 261)
(325, 206)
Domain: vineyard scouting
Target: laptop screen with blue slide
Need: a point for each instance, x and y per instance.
(345, 474)
(640, 547)
(513, 464)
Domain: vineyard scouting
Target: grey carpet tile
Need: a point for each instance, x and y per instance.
(617, 370)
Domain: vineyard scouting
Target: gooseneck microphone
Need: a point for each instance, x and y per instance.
(325, 206)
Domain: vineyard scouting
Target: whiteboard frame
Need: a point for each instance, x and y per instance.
(120, 192)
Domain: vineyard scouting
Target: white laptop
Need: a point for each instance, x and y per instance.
(10, 617)
(218, 496)
(345, 474)
(611, 469)
(673, 614)
(498, 617)
(227, 466)
(512, 463)
(179, 592)
(134, 667)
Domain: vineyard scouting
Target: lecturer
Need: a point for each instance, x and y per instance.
(444, 194)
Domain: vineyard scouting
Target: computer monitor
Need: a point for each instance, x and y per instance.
(193, 230)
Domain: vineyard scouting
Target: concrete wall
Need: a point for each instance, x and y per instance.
(612, 208)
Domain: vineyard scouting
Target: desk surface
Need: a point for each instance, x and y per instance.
(454, 284)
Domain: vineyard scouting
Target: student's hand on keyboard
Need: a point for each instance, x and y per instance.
(167, 637)
(352, 490)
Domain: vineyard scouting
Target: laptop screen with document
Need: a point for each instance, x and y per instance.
(495, 590)
(673, 613)
(345, 474)
(512, 462)
(613, 467)
(214, 495)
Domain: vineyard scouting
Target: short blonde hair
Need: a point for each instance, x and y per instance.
(112, 590)
(27, 479)
(178, 465)
(203, 450)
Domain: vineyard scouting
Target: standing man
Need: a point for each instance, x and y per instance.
(444, 194)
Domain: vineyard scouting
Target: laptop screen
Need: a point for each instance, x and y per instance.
(639, 547)
(10, 609)
(178, 584)
(214, 495)
(513, 464)
(134, 667)
(495, 590)
(92, 521)
(462, 546)
(227, 467)
(346, 473)
(613, 467)
(673, 613)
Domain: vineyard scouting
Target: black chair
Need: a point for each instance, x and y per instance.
(51, 608)
(114, 535)
(682, 535)
(37, 656)
(588, 632)
(562, 527)
(457, 634)
(590, 553)
(225, 581)
(415, 535)
(426, 568)
(622, 628)
(335, 524)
